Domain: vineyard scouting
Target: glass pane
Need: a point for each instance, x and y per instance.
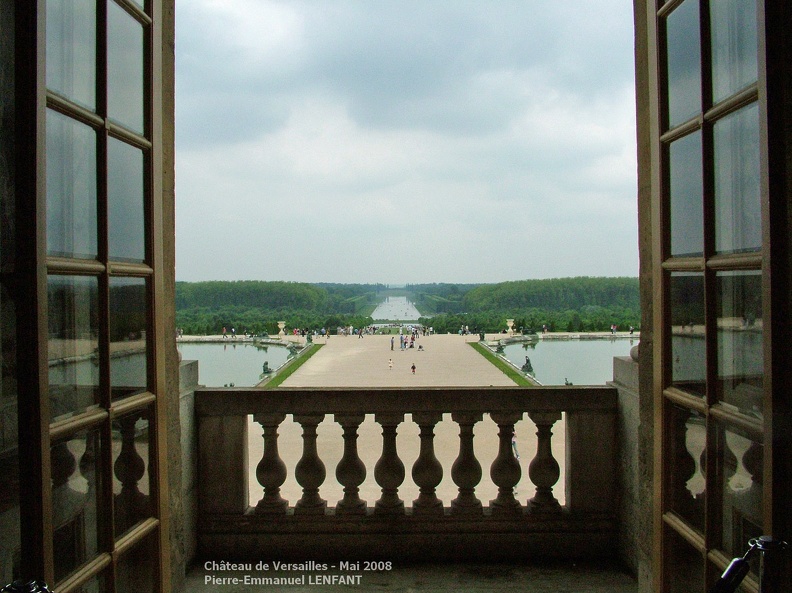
(7, 137)
(131, 464)
(684, 565)
(734, 46)
(740, 351)
(75, 483)
(10, 535)
(684, 62)
(125, 201)
(94, 585)
(124, 68)
(686, 440)
(739, 472)
(137, 569)
(686, 196)
(71, 50)
(738, 216)
(73, 344)
(10, 541)
(688, 351)
(71, 187)
(128, 321)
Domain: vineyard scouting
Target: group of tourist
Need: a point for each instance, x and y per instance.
(406, 342)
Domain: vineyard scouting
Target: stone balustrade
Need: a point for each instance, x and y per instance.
(232, 526)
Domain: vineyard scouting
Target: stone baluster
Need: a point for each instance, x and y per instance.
(749, 501)
(129, 466)
(351, 471)
(688, 457)
(543, 469)
(309, 471)
(505, 471)
(271, 471)
(131, 504)
(88, 461)
(389, 470)
(466, 471)
(427, 472)
(62, 463)
(752, 461)
(68, 504)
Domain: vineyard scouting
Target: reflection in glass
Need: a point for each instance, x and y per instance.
(10, 535)
(71, 187)
(73, 344)
(738, 217)
(740, 350)
(75, 483)
(131, 470)
(125, 201)
(71, 50)
(684, 62)
(739, 470)
(8, 147)
(137, 569)
(124, 68)
(688, 350)
(686, 196)
(686, 443)
(684, 564)
(94, 585)
(128, 322)
(734, 46)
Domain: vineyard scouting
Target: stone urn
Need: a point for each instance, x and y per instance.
(510, 325)
(281, 325)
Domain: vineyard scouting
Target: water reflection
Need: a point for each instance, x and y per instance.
(396, 309)
(580, 362)
(241, 364)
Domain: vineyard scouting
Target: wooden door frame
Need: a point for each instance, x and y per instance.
(775, 84)
(30, 279)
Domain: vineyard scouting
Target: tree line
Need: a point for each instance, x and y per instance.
(204, 308)
(576, 304)
(561, 304)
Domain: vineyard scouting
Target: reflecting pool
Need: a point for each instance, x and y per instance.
(581, 362)
(396, 309)
(220, 365)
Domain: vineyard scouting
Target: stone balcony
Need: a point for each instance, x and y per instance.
(290, 475)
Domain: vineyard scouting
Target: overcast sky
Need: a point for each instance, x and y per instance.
(405, 141)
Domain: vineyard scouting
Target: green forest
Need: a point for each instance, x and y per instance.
(204, 308)
(561, 304)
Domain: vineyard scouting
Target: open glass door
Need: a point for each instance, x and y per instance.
(714, 407)
(88, 282)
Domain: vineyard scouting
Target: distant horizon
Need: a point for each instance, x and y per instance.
(395, 285)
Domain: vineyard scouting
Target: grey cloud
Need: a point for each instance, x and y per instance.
(415, 64)
(413, 140)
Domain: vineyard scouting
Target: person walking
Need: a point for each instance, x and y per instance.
(413, 368)
(392, 340)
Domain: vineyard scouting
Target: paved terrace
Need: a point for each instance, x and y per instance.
(349, 361)
(446, 360)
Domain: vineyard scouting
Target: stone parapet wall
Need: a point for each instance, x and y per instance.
(625, 380)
